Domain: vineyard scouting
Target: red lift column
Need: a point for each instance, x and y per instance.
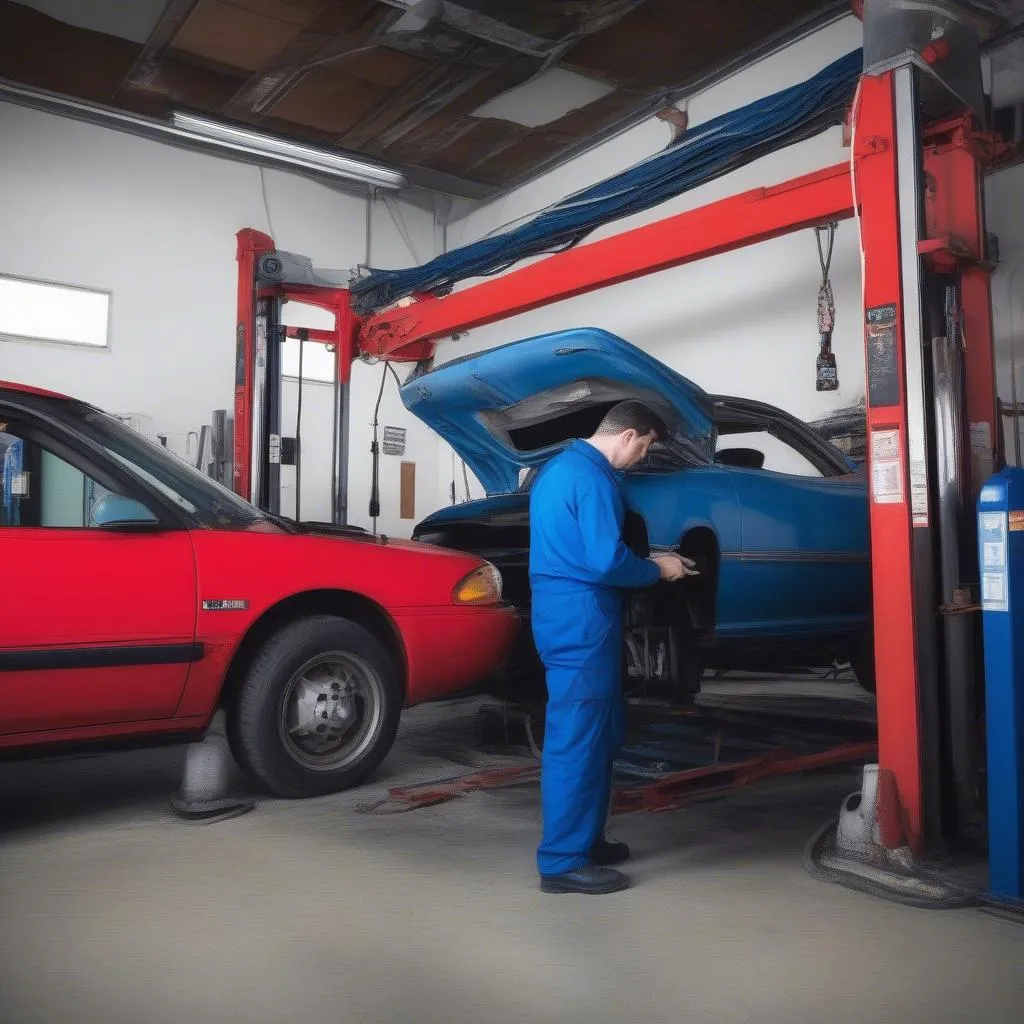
(888, 185)
(250, 363)
(926, 297)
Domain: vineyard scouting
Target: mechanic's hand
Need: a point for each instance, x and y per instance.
(672, 567)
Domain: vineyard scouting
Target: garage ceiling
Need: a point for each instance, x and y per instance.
(430, 87)
(470, 97)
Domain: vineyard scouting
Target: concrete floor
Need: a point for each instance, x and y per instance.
(309, 912)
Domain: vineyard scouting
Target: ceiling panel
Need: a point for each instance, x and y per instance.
(660, 45)
(295, 12)
(331, 102)
(39, 51)
(133, 20)
(232, 35)
(380, 65)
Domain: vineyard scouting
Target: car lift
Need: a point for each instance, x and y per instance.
(267, 279)
(915, 184)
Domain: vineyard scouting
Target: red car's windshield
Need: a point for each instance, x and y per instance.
(200, 497)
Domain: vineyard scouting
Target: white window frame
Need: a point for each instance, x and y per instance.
(65, 342)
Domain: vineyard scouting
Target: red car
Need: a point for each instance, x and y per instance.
(140, 596)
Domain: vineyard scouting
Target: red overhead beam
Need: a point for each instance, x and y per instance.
(407, 333)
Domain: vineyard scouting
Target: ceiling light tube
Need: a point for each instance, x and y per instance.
(308, 157)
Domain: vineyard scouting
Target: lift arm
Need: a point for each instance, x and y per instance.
(408, 333)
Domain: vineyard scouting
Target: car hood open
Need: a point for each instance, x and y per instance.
(516, 406)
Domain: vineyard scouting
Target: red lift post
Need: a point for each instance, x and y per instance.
(903, 237)
(258, 370)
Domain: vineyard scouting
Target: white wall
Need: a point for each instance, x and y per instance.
(155, 225)
(744, 323)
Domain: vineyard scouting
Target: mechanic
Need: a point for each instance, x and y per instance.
(579, 570)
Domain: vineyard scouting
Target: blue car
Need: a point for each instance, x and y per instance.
(775, 515)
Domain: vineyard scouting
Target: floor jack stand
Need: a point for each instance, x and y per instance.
(205, 792)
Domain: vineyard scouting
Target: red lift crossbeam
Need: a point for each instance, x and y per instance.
(408, 333)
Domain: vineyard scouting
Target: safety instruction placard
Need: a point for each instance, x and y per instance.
(919, 492)
(993, 592)
(994, 581)
(886, 467)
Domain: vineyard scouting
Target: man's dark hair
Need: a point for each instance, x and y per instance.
(632, 415)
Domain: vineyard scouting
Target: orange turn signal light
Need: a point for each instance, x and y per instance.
(481, 586)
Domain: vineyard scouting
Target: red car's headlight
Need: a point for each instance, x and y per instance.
(481, 586)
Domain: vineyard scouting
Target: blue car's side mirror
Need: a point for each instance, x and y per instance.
(113, 511)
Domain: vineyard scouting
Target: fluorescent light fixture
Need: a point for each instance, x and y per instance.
(306, 157)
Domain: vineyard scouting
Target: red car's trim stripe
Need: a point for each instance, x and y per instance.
(99, 657)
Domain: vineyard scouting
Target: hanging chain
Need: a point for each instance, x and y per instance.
(826, 301)
(827, 375)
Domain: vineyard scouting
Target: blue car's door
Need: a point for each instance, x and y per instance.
(803, 559)
(676, 502)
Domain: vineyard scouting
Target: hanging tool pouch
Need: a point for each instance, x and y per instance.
(827, 377)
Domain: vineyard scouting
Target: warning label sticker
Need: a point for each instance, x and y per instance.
(993, 592)
(886, 467)
(919, 492)
(994, 586)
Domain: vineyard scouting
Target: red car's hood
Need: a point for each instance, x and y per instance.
(352, 534)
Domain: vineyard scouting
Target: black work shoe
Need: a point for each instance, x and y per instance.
(607, 852)
(587, 879)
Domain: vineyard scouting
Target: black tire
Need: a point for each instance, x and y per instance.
(862, 661)
(690, 674)
(265, 745)
(689, 664)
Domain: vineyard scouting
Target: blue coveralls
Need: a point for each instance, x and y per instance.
(578, 567)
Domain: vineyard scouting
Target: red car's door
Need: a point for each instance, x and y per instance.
(98, 623)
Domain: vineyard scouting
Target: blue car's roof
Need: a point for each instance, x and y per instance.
(481, 404)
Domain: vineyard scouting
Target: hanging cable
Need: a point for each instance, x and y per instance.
(266, 205)
(303, 335)
(375, 454)
(702, 154)
(336, 516)
(827, 374)
(375, 446)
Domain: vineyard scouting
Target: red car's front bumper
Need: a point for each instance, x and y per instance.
(447, 651)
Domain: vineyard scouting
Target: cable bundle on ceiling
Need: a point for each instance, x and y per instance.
(701, 154)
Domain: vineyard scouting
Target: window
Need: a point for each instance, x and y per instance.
(51, 312)
(779, 457)
(41, 489)
(317, 361)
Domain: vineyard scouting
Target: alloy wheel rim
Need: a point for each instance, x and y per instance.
(332, 711)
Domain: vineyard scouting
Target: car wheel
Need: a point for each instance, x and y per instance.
(319, 708)
(862, 661)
